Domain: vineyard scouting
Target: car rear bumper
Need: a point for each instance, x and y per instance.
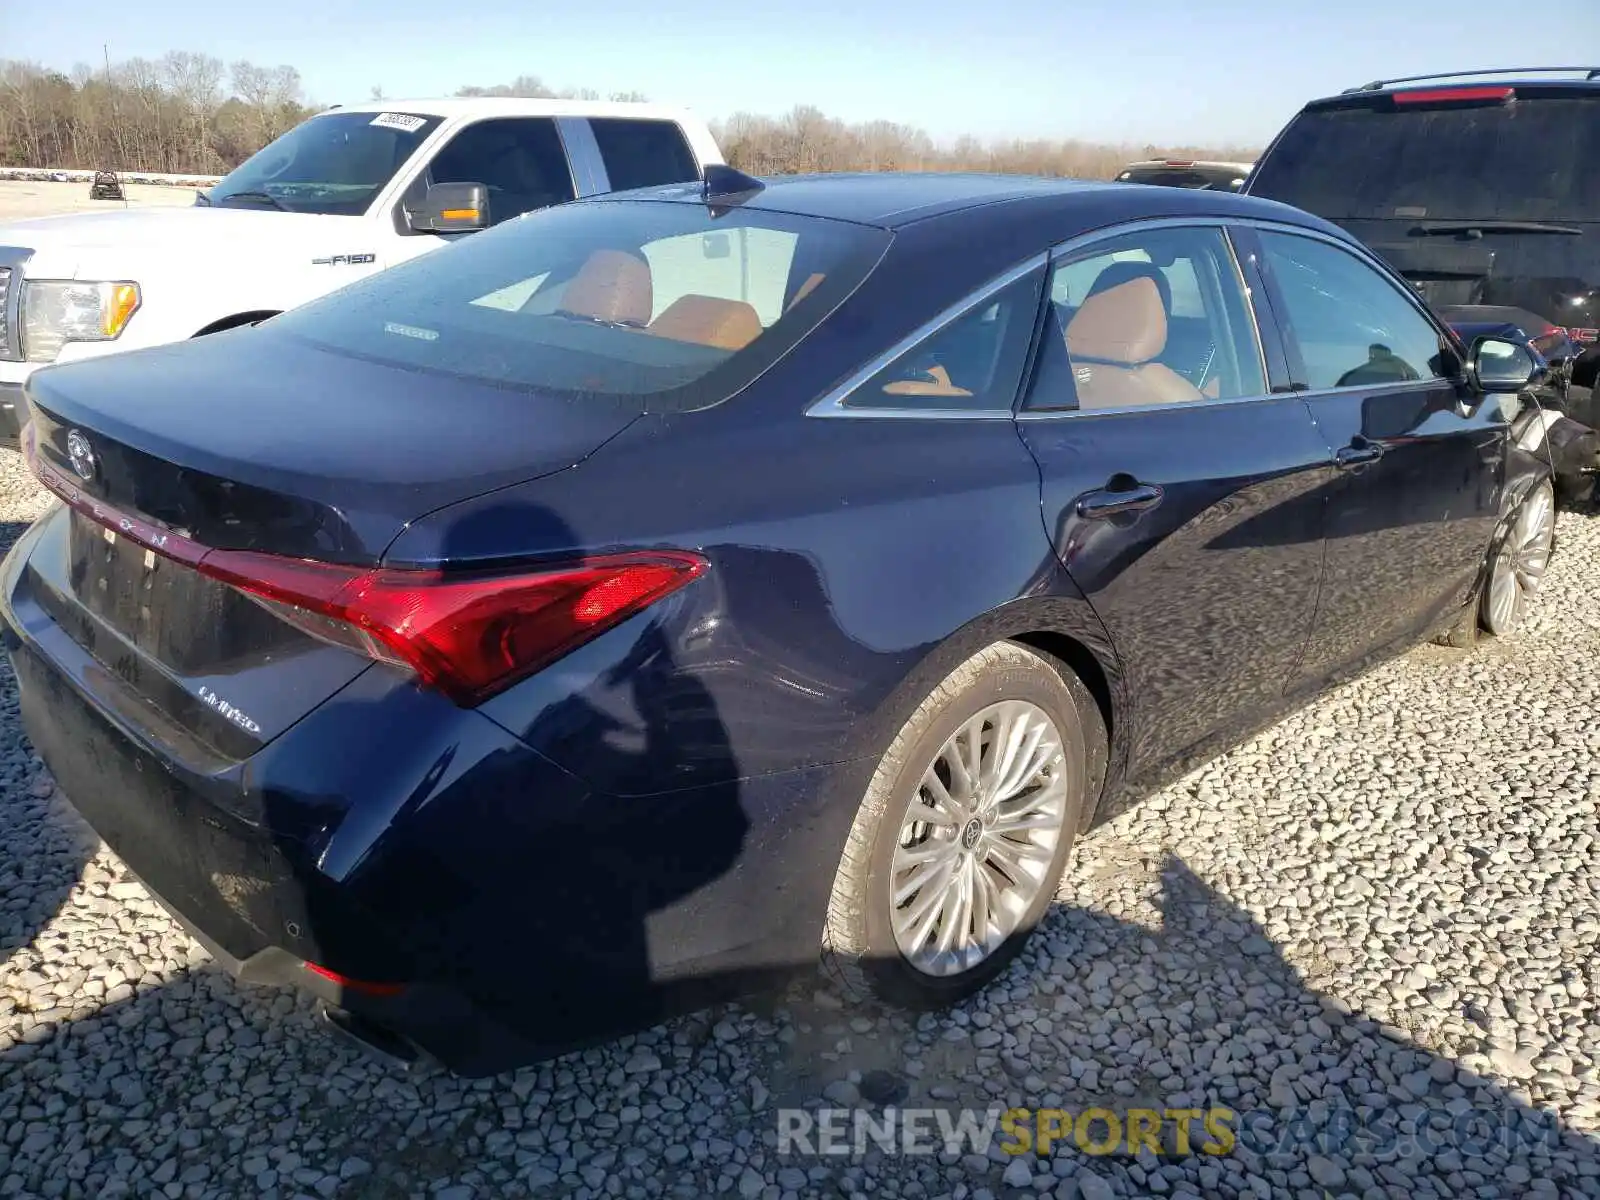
(254, 899)
(519, 913)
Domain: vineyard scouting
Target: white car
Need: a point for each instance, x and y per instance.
(347, 192)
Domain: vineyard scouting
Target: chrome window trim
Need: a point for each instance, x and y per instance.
(1249, 308)
(1208, 402)
(1055, 414)
(833, 404)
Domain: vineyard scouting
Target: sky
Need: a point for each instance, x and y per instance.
(1159, 71)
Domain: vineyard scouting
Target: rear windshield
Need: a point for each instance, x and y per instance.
(643, 299)
(334, 164)
(1529, 160)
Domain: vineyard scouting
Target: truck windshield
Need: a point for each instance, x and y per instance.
(663, 303)
(1530, 160)
(335, 163)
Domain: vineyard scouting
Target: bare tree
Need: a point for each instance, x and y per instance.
(175, 115)
(271, 98)
(527, 86)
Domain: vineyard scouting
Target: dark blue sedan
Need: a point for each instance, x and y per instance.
(627, 605)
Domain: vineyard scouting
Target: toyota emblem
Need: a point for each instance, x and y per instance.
(82, 456)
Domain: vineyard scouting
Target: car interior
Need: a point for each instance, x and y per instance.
(1130, 339)
(1116, 339)
(613, 287)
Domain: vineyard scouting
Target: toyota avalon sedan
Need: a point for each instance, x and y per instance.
(651, 595)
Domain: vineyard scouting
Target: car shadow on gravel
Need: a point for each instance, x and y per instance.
(202, 1087)
(43, 843)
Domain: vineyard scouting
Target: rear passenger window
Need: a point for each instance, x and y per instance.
(1157, 316)
(1354, 328)
(519, 159)
(643, 153)
(974, 361)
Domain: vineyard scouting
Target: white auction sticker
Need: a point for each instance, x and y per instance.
(402, 121)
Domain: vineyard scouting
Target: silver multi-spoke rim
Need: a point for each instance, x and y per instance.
(1519, 566)
(978, 839)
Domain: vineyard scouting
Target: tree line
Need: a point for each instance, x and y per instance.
(188, 113)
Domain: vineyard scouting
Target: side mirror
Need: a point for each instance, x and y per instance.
(452, 208)
(1498, 367)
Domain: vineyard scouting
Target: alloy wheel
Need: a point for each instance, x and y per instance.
(1520, 563)
(978, 838)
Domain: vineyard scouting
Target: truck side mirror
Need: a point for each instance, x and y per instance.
(452, 208)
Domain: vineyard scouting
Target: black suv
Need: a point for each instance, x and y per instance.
(1482, 188)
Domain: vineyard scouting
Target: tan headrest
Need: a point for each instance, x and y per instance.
(1125, 324)
(611, 286)
(708, 321)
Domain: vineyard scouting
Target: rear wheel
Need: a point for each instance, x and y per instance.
(961, 839)
(1517, 570)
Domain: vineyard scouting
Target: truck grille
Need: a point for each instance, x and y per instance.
(9, 351)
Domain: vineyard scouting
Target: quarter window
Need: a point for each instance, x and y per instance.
(974, 361)
(1354, 328)
(1157, 316)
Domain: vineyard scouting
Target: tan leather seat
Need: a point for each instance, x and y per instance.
(1113, 341)
(708, 321)
(610, 286)
(937, 384)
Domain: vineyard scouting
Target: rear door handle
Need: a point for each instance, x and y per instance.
(1108, 503)
(1361, 452)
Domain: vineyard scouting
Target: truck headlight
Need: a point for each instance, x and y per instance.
(58, 311)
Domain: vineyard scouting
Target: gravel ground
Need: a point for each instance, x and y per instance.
(26, 198)
(1387, 906)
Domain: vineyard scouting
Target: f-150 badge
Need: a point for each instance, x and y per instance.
(344, 260)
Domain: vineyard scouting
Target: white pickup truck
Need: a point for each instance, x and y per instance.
(347, 192)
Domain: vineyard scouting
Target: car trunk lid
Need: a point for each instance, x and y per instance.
(255, 443)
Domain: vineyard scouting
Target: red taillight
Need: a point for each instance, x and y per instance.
(1461, 95)
(1178, 162)
(470, 636)
(356, 985)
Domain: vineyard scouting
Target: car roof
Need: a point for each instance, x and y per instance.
(892, 200)
(515, 106)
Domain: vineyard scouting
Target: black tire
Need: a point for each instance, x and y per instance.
(859, 950)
